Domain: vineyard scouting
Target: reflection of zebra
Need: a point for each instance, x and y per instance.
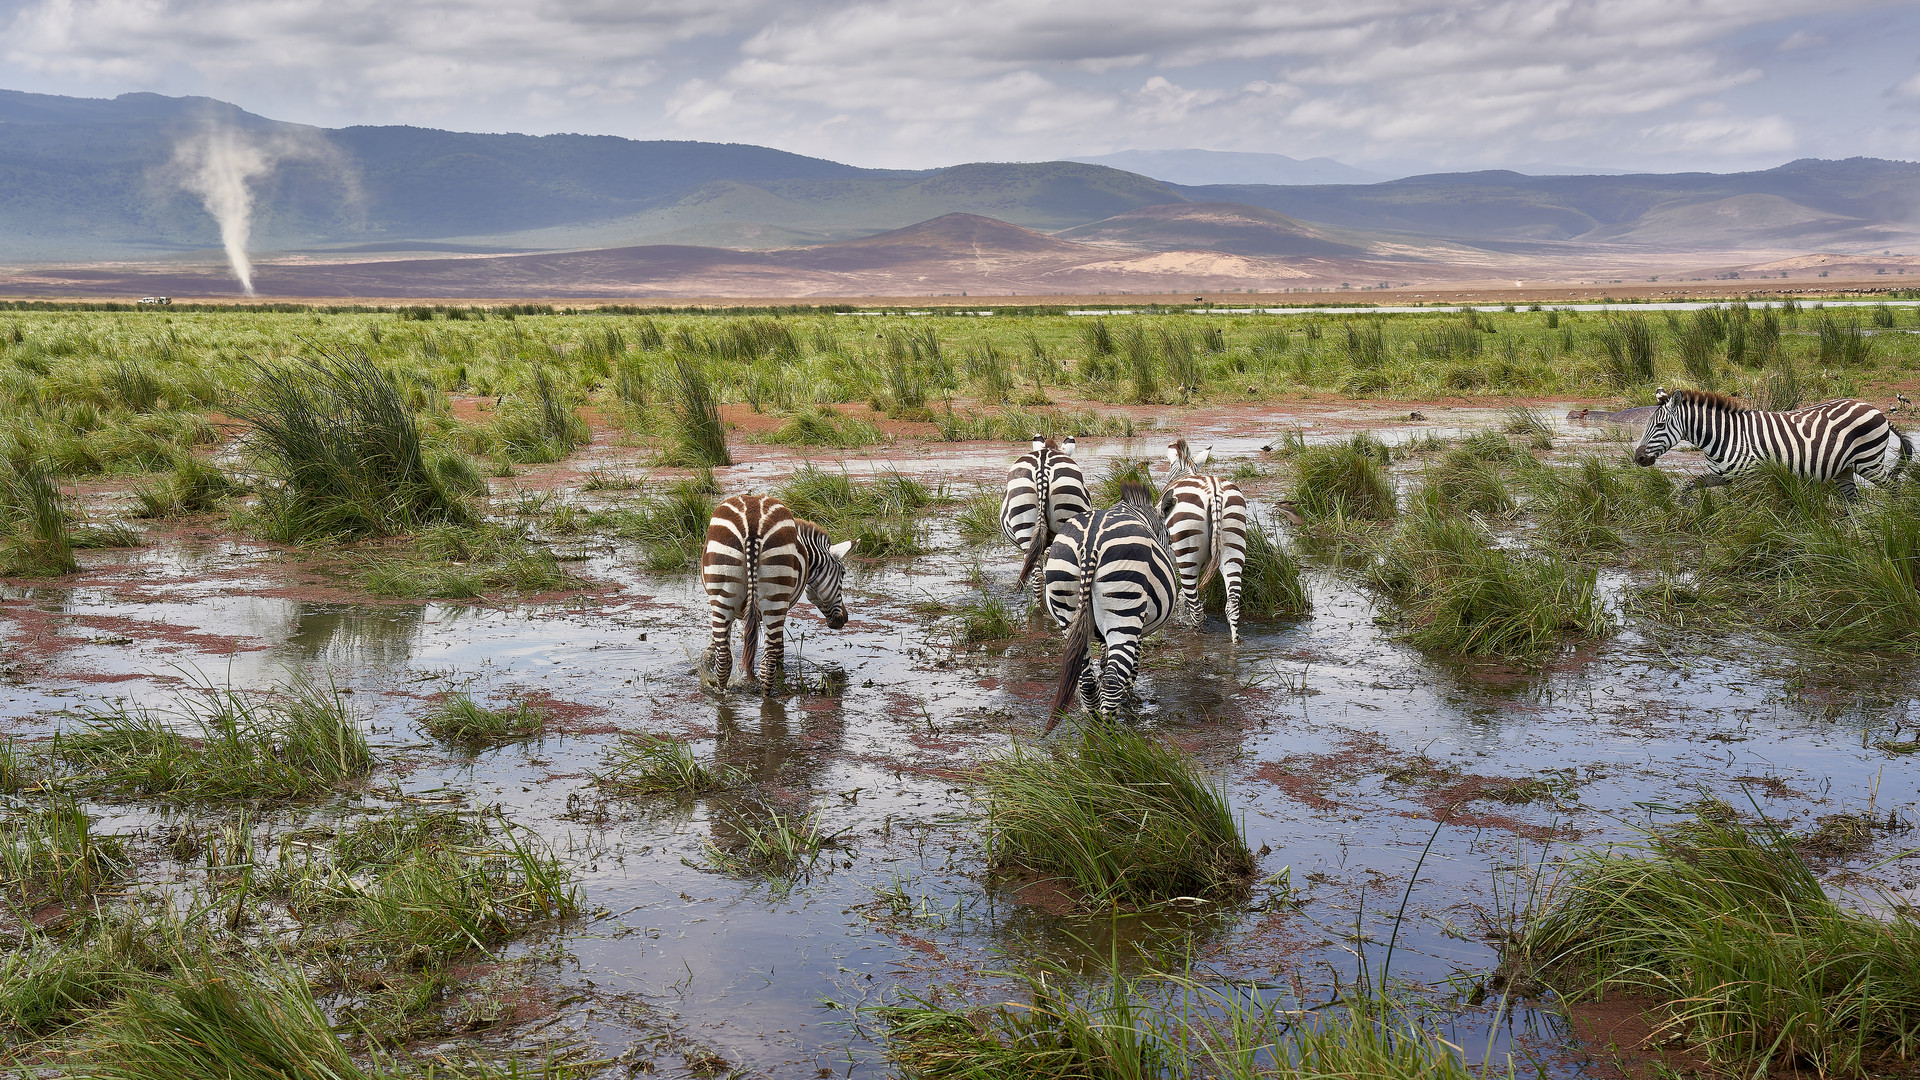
(1110, 575)
(1044, 489)
(1834, 440)
(1207, 524)
(758, 558)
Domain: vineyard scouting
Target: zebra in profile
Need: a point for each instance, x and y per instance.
(757, 559)
(1044, 489)
(1207, 523)
(1834, 440)
(1110, 575)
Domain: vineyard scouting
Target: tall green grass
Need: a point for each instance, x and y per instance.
(50, 852)
(879, 515)
(1270, 584)
(457, 718)
(295, 742)
(1752, 961)
(652, 765)
(539, 424)
(1458, 592)
(696, 437)
(822, 425)
(342, 454)
(459, 562)
(36, 532)
(1346, 480)
(1116, 817)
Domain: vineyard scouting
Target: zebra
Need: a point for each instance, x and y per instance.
(758, 556)
(1207, 523)
(1834, 440)
(1110, 575)
(1044, 477)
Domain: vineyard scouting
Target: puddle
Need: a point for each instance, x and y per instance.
(1345, 751)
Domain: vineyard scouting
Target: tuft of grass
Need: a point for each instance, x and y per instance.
(984, 618)
(979, 517)
(51, 852)
(1460, 483)
(193, 486)
(1270, 585)
(463, 561)
(342, 455)
(539, 426)
(696, 437)
(1755, 965)
(767, 843)
(1460, 593)
(1018, 425)
(1115, 817)
(457, 718)
(1064, 1026)
(1348, 480)
(670, 526)
(652, 765)
(880, 516)
(1116, 474)
(294, 743)
(36, 529)
(822, 425)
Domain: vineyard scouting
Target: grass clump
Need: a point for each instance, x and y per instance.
(822, 425)
(696, 438)
(1755, 965)
(1018, 425)
(652, 765)
(342, 454)
(1172, 1027)
(51, 853)
(192, 486)
(670, 526)
(294, 743)
(538, 426)
(984, 618)
(1461, 483)
(1344, 481)
(36, 530)
(1270, 585)
(1459, 593)
(770, 844)
(880, 516)
(457, 718)
(461, 562)
(979, 517)
(1115, 817)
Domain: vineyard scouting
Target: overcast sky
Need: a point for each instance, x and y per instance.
(1392, 84)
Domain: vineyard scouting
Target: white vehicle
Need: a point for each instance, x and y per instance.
(155, 301)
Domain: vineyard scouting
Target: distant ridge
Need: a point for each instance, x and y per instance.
(1229, 227)
(1200, 167)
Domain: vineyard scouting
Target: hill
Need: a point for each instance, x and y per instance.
(1233, 167)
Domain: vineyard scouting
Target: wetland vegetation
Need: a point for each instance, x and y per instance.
(249, 876)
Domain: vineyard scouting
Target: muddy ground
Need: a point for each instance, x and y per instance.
(1345, 750)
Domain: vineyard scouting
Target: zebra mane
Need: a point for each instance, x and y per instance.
(1137, 496)
(1713, 400)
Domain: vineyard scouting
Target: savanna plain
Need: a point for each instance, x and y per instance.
(353, 722)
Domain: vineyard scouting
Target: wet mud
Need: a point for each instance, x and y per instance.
(1346, 751)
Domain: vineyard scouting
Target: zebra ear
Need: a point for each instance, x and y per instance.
(1203, 456)
(839, 550)
(1173, 453)
(1661, 395)
(1067, 444)
(1039, 442)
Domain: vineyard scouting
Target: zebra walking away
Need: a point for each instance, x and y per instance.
(1834, 440)
(1110, 576)
(1207, 525)
(1044, 489)
(758, 558)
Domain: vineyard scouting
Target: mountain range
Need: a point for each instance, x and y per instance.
(94, 180)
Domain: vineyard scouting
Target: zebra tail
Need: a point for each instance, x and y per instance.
(1074, 662)
(750, 637)
(1035, 546)
(1217, 536)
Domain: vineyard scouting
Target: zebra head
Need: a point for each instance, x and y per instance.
(823, 584)
(1663, 429)
(1183, 462)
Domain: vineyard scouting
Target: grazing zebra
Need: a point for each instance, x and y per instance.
(1207, 524)
(1110, 575)
(757, 559)
(1834, 440)
(1044, 489)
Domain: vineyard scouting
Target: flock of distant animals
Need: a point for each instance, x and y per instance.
(1116, 575)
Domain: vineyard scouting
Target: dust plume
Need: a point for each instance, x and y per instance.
(220, 164)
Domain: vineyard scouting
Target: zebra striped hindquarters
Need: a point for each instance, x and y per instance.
(1207, 527)
(758, 558)
(1110, 576)
(1834, 440)
(1045, 489)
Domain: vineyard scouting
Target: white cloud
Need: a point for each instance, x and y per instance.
(908, 82)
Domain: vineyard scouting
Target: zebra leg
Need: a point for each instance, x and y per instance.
(1196, 603)
(1848, 489)
(1121, 658)
(774, 661)
(1230, 576)
(719, 658)
(1090, 681)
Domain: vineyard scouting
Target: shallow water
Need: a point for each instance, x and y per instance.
(1313, 723)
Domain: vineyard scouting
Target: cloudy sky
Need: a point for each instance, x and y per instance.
(1391, 84)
